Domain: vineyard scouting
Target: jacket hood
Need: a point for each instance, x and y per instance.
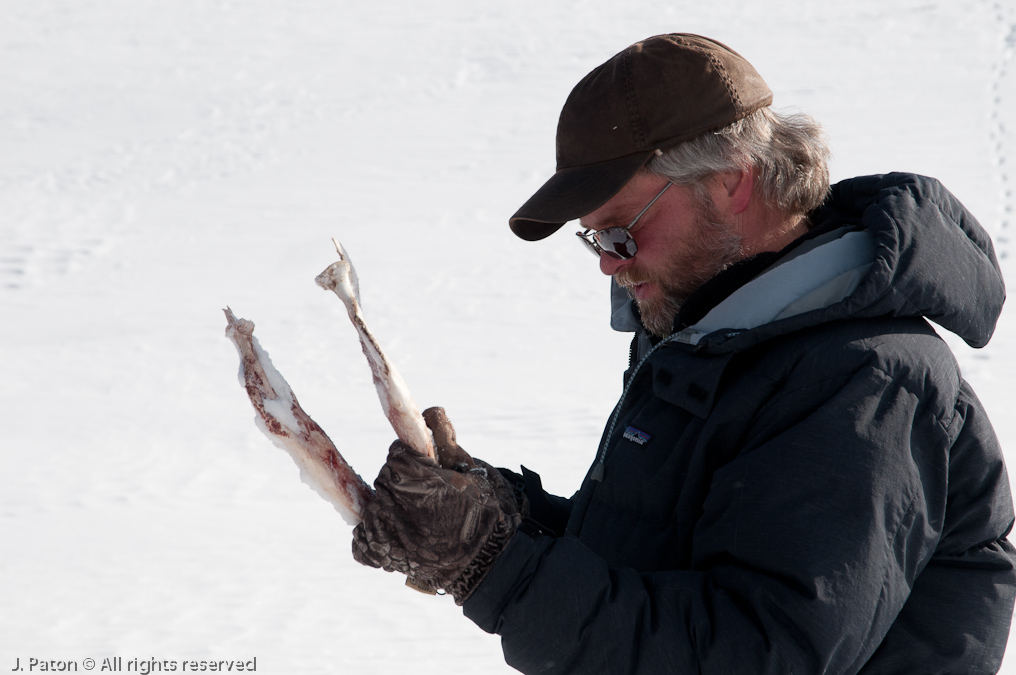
(890, 245)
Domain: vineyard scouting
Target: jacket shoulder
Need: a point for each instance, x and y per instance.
(905, 351)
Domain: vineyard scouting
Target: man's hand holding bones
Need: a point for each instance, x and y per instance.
(442, 523)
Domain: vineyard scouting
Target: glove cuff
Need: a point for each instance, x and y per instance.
(464, 585)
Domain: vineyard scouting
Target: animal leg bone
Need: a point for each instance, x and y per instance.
(398, 405)
(281, 418)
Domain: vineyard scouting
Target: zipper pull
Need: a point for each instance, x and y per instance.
(597, 473)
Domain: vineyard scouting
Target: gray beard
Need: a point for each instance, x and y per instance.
(659, 316)
(714, 248)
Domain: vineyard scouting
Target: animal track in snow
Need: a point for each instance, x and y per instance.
(48, 234)
(1003, 99)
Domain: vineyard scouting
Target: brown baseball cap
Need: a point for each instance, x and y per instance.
(654, 94)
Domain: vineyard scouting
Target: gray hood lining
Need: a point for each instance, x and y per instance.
(814, 276)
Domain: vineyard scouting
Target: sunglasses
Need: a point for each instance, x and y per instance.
(617, 241)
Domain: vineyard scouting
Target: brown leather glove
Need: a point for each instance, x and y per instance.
(442, 523)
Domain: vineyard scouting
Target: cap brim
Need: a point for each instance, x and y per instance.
(572, 193)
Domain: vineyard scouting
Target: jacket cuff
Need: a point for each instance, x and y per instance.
(508, 576)
(479, 566)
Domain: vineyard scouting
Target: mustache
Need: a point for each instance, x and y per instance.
(631, 276)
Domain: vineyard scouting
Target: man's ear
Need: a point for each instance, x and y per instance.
(732, 190)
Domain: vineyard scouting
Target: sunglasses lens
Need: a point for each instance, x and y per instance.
(591, 245)
(616, 242)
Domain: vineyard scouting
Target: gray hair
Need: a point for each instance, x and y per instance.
(789, 152)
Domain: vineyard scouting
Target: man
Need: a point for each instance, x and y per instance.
(796, 478)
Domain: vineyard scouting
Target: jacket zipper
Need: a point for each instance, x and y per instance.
(598, 469)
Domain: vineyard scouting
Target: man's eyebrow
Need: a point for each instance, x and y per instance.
(613, 220)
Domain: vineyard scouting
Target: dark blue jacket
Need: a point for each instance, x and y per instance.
(797, 481)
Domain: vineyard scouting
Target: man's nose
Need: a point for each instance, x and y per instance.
(611, 265)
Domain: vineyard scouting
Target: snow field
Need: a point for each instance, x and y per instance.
(160, 160)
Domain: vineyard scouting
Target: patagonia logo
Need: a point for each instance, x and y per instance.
(636, 436)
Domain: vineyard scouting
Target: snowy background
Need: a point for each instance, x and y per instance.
(160, 159)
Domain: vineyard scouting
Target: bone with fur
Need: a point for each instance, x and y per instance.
(281, 418)
(340, 278)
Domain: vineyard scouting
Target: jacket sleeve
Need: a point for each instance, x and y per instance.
(548, 512)
(808, 545)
